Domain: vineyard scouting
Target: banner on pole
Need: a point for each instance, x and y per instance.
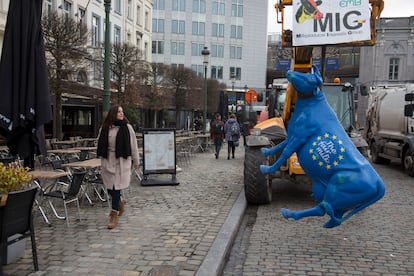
(319, 22)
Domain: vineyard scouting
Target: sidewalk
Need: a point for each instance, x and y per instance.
(166, 230)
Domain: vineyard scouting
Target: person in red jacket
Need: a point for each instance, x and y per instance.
(217, 134)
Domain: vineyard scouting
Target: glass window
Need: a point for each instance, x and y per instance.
(177, 48)
(393, 69)
(237, 8)
(157, 25)
(236, 71)
(178, 27)
(218, 8)
(217, 50)
(96, 31)
(158, 47)
(217, 30)
(117, 6)
(159, 4)
(117, 35)
(199, 6)
(236, 32)
(178, 5)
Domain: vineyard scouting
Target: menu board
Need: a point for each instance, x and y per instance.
(159, 151)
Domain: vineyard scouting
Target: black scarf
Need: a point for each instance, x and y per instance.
(122, 144)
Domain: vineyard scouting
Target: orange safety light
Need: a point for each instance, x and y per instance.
(337, 80)
(251, 96)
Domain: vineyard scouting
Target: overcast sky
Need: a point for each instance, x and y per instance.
(392, 8)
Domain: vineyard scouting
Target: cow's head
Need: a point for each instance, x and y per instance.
(305, 83)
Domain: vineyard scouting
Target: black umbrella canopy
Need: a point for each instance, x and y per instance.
(25, 100)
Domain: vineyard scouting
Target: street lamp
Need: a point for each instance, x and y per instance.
(205, 54)
(106, 94)
(233, 80)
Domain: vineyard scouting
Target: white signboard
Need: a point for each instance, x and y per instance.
(318, 22)
(159, 151)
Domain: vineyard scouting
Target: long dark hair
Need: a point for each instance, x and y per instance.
(110, 118)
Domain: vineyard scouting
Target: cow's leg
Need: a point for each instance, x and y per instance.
(275, 149)
(315, 211)
(292, 145)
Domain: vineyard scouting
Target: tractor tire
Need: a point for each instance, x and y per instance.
(408, 161)
(257, 186)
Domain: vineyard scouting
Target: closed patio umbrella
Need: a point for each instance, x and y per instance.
(25, 104)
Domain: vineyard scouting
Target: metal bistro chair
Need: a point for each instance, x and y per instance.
(71, 195)
(16, 218)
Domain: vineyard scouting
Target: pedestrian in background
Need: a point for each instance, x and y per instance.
(232, 130)
(117, 147)
(217, 134)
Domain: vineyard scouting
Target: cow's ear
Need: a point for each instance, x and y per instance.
(317, 74)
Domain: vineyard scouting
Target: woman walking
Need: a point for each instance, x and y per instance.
(232, 130)
(118, 148)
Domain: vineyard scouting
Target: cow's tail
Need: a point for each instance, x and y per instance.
(380, 194)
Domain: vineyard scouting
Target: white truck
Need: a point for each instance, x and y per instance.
(389, 127)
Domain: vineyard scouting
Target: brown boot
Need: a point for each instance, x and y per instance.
(113, 219)
(122, 204)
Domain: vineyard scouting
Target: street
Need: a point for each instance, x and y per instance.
(377, 241)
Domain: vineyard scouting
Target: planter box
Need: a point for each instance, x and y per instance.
(14, 251)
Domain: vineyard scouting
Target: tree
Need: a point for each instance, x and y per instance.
(125, 62)
(64, 38)
(183, 81)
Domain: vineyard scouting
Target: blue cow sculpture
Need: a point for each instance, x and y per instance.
(343, 181)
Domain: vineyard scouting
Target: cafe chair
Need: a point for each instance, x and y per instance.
(16, 219)
(68, 196)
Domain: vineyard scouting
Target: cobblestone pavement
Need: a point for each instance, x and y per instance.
(166, 230)
(377, 241)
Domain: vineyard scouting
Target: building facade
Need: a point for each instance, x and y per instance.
(390, 61)
(233, 30)
(130, 21)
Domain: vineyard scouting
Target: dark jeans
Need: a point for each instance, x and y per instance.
(217, 144)
(116, 198)
(231, 148)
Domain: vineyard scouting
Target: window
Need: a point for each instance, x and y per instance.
(235, 52)
(199, 6)
(157, 25)
(157, 47)
(237, 8)
(217, 50)
(218, 8)
(178, 5)
(67, 9)
(96, 31)
(198, 28)
(218, 30)
(217, 72)
(199, 69)
(139, 17)
(146, 22)
(178, 27)
(129, 9)
(236, 71)
(98, 70)
(159, 4)
(138, 40)
(48, 4)
(117, 35)
(393, 69)
(177, 48)
(117, 6)
(196, 49)
(236, 32)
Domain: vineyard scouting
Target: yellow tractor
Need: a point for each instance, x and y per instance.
(257, 186)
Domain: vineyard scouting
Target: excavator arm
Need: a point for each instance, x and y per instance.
(302, 55)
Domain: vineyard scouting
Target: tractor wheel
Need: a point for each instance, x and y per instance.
(257, 186)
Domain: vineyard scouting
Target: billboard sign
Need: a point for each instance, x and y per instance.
(319, 22)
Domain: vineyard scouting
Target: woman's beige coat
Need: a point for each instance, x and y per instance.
(116, 172)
